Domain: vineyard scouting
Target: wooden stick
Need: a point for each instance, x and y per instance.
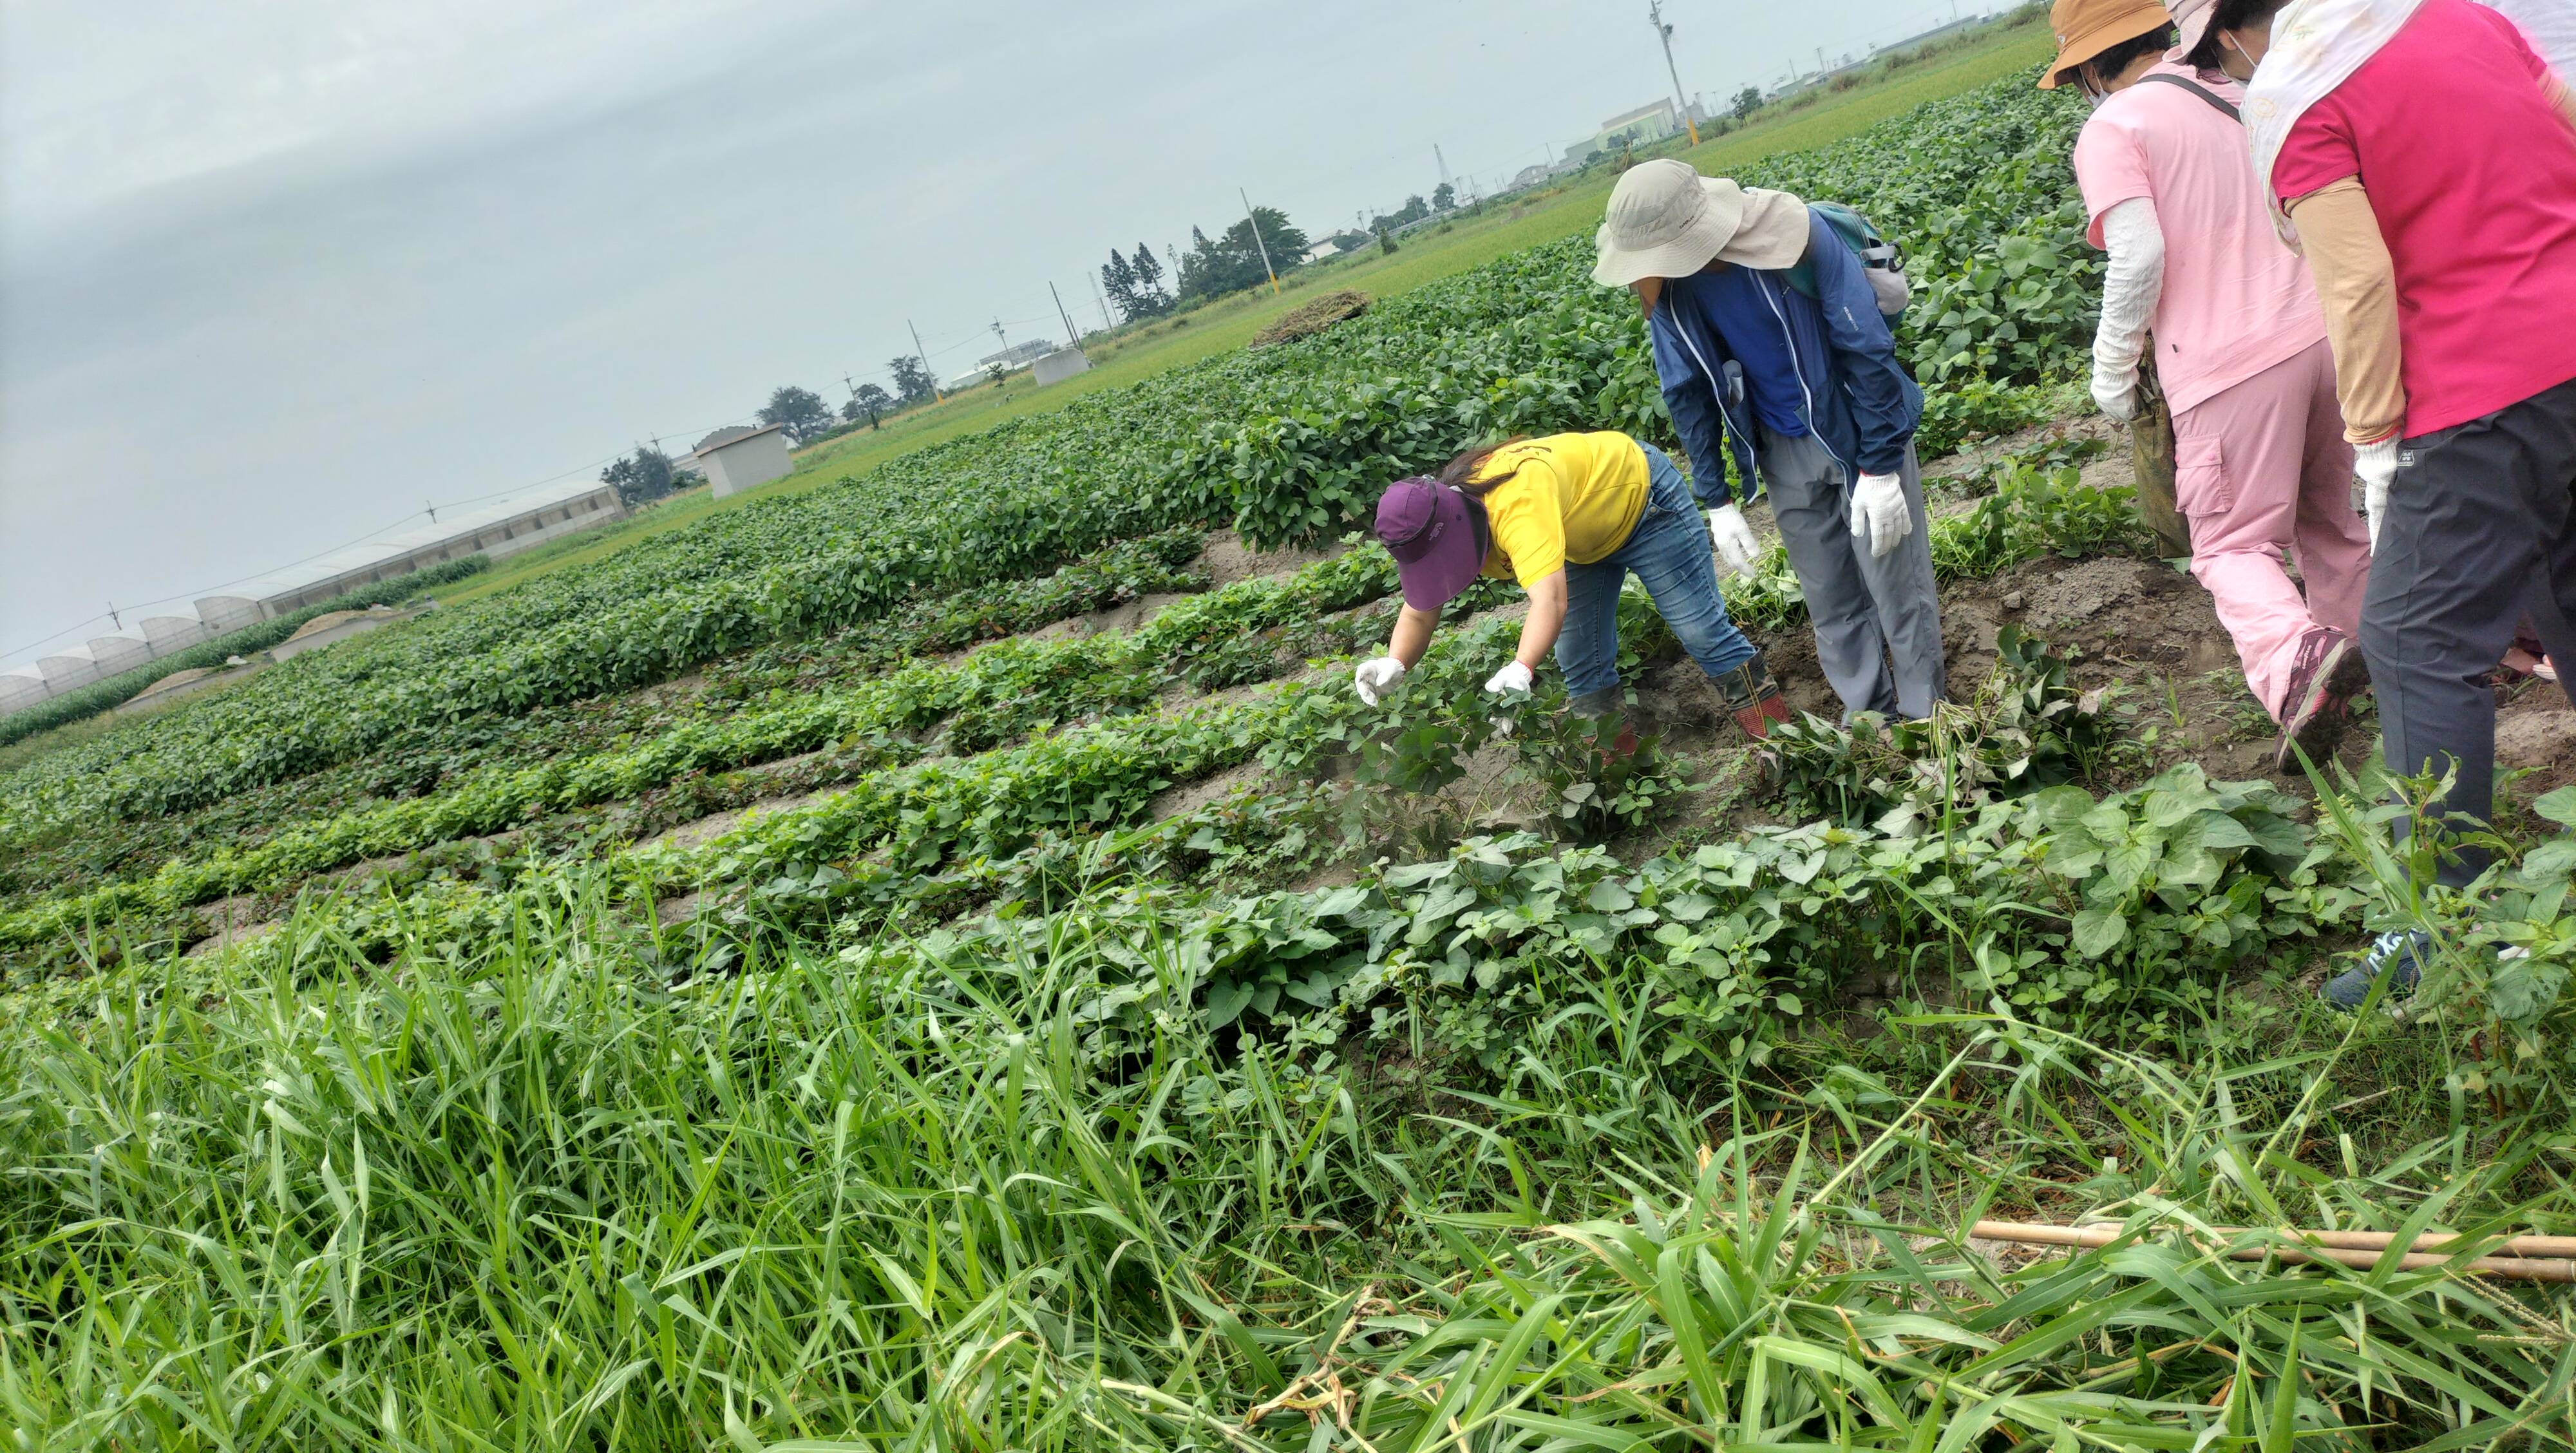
(2544, 1265)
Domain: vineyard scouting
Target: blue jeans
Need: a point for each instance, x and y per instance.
(1670, 552)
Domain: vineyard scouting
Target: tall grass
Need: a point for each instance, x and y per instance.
(549, 1196)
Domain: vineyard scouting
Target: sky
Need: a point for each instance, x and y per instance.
(275, 275)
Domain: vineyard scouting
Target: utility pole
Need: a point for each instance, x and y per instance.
(1664, 35)
(113, 616)
(433, 512)
(1098, 301)
(1071, 338)
(924, 356)
(1255, 224)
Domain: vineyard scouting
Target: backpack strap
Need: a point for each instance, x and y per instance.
(2197, 89)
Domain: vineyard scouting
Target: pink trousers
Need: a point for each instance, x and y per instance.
(2259, 469)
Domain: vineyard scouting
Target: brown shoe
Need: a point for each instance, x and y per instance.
(2328, 674)
(1753, 697)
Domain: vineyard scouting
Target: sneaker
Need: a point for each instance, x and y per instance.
(1753, 697)
(2328, 673)
(2398, 954)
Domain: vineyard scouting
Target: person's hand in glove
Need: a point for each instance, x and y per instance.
(1513, 677)
(2117, 394)
(1879, 517)
(2377, 465)
(1375, 678)
(1733, 539)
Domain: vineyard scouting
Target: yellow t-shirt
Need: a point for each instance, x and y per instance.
(1570, 499)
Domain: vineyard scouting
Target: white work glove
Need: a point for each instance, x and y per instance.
(1733, 539)
(1377, 677)
(2116, 393)
(2377, 465)
(1513, 677)
(1878, 513)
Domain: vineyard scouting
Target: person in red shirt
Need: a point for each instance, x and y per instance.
(2423, 158)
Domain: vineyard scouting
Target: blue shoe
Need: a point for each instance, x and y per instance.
(2399, 954)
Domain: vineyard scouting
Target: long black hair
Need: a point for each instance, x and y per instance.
(1461, 473)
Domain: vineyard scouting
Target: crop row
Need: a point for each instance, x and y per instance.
(993, 696)
(1218, 639)
(1247, 631)
(1287, 443)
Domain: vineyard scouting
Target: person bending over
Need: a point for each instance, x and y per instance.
(1571, 517)
(1772, 350)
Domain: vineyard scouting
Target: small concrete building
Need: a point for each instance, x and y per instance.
(755, 456)
(1062, 364)
(120, 653)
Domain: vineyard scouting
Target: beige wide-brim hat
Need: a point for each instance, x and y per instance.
(1666, 220)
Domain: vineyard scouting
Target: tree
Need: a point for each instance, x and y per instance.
(1149, 273)
(1135, 286)
(801, 409)
(1747, 101)
(912, 380)
(870, 401)
(1233, 261)
(1443, 197)
(1385, 241)
(640, 479)
(1118, 280)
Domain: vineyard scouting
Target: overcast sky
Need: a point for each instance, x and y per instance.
(274, 273)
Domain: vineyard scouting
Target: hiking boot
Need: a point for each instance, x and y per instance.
(2398, 954)
(2323, 681)
(1753, 697)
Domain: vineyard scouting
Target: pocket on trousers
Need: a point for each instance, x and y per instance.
(2201, 485)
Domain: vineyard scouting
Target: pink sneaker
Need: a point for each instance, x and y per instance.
(2328, 674)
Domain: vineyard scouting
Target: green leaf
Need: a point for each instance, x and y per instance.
(1225, 1002)
(1608, 897)
(2098, 931)
(2559, 806)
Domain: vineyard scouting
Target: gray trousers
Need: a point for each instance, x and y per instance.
(2481, 530)
(1871, 613)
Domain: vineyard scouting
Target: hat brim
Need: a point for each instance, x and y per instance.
(2192, 30)
(1772, 234)
(1449, 563)
(2084, 46)
(1768, 230)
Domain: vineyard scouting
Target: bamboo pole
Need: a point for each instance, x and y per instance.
(2541, 1258)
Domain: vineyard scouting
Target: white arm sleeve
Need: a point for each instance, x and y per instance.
(2131, 283)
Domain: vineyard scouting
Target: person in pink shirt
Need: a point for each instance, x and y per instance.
(2261, 466)
(2423, 158)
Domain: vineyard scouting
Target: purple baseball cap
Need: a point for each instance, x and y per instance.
(1432, 532)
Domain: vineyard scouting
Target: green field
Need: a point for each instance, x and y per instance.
(1229, 324)
(945, 963)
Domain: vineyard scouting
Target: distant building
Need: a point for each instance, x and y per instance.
(1060, 365)
(737, 459)
(1018, 355)
(1651, 122)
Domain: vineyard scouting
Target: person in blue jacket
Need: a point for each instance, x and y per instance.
(1772, 351)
